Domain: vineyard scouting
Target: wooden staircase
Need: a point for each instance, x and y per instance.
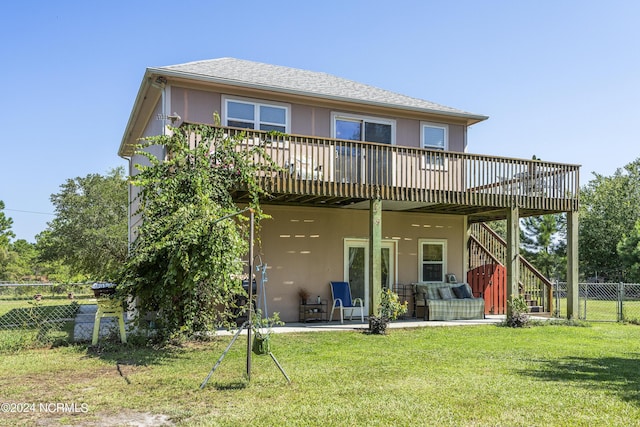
(487, 274)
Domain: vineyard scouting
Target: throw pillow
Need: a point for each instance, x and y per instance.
(432, 293)
(445, 293)
(461, 292)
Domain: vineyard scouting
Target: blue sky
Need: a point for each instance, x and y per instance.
(558, 79)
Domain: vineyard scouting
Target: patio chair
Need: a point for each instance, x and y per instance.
(341, 295)
(303, 168)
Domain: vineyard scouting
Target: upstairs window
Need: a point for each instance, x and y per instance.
(356, 128)
(250, 114)
(434, 137)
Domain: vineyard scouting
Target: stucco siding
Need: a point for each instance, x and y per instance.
(456, 138)
(198, 106)
(153, 128)
(195, 106)
(304, 248)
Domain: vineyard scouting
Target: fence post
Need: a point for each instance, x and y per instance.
(586, 298)
(557, 293)
(620, 299)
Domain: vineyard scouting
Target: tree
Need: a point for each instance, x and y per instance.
(5, 238)
(186, 261)
(610, 207)
(21, 261)
(543, 243)
(89, 232)
(5, 227)
(629, 251)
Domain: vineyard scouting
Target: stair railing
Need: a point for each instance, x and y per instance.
(486, 246)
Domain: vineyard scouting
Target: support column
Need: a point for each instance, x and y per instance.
(375, 254)
(465, 253)
(572, 265)
(513, 252)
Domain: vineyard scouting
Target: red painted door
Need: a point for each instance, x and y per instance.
(490, 280)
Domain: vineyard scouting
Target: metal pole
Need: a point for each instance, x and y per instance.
(224, 353)
(586, 299)
(620, 302)
(280, 367)
(557, 295)
(249, 316)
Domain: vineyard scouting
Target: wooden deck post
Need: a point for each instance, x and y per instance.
(375, 254)
(572, 265)
(466, 264)
(513, 254)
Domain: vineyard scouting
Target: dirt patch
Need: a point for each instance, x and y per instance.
(123, 418)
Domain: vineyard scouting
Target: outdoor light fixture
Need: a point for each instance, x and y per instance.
(175, 117)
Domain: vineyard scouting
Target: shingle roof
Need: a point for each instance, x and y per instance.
(292, 80)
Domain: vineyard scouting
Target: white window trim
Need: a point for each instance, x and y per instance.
(421, 243)
(357, 117)
(257, 103)
(425, 163)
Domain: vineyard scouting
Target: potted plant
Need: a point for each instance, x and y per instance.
(390, 308)
(304, 295)
(261, 327)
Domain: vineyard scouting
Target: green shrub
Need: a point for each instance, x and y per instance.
(518, 314)
(390, 308)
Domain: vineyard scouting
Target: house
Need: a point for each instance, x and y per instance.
(380, 188)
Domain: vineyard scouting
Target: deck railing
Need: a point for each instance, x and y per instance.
(332, 167)
(354, 169)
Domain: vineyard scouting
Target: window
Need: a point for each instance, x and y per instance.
(434, 137)
(432, 263)
(356, 128)
(251, 114)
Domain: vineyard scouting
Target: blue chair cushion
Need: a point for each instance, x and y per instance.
(342, 291)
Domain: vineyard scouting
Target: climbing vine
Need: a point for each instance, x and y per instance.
(186, 261)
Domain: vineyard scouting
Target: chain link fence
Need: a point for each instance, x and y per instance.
(605, 302)
(35, 314)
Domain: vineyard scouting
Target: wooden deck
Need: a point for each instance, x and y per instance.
(337, 173)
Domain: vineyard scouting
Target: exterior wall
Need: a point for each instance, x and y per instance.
(198, 106)
(195, 106)
(309, 120)
(457, 138)
(304, 247)
(154, 127)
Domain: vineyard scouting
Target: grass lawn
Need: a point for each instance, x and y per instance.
(452, 376)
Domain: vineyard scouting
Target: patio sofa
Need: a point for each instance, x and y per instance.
(447, 301)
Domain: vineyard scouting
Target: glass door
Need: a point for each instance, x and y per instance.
(378, 157)
(356, 267)
(356, 163)
(348, 157)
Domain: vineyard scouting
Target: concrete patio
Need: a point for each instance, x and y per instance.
(85, 318)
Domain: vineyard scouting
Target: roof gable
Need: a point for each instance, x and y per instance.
(274, 78)
(293, 80)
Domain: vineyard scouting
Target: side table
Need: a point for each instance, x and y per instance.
(310, 312)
